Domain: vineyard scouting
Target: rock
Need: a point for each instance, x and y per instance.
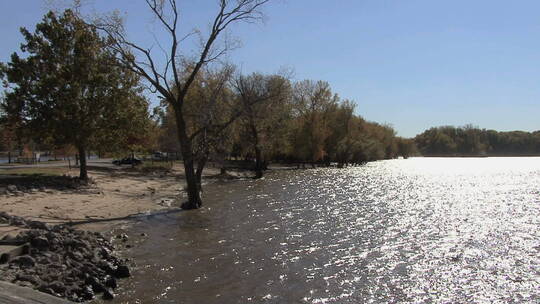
(8, 237)
(45, 288)
(11, 188)
(4, 258)
(104, 252)
(77, 256)
(28, 278)
(95, 283)
(86, 293)
(110, 282)
(57, 287)
(25, 284)
(25, 249)
(122, 272)
(108, 294)
(37, 225)
(40, 243)
(73, 297)
(107, 267)
(123, 237)
(17, 221)
(23, 261)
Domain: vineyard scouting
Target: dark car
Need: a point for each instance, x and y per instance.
(127, 161)
(159, 156)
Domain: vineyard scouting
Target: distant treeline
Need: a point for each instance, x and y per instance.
(473, 141)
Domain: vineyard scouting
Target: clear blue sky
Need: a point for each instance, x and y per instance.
(413, 64)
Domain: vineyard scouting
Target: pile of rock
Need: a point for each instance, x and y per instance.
(9, 189)
(62, 261)
(29, 184)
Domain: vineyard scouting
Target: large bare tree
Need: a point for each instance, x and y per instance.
(169, 79)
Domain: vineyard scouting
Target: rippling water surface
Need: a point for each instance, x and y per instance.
(421, 230)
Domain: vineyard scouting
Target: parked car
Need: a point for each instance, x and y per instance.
(127, 161)
(159, 156)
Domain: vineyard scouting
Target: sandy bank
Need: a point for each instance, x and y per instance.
(116, 193)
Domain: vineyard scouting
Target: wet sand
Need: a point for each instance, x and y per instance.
(115, 194)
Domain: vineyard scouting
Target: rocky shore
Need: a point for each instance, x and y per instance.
(60, 260)
(14, 186)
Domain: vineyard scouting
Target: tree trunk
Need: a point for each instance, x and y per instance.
(258, 162)
(259, 166)
(200, 167)
(194, 198)
(82, 159)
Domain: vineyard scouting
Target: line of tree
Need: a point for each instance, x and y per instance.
(473, 141)
(268, 118)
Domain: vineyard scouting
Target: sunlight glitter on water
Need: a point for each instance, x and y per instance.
(421, 230)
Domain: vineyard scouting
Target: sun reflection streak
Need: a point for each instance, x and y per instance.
(421, 230)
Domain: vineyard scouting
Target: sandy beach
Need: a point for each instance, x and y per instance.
(114, 193)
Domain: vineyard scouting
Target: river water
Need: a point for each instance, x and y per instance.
(421, 230)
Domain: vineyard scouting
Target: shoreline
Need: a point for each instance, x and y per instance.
(98, 213)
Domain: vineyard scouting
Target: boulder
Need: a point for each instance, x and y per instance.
(17, 221)
(40, 243)
(110, 282)
(122, 271)
(37, 225)
(86, 293)
(34, 279)
(95, 283)
(23, 261)
(57, 287)
(108, 294)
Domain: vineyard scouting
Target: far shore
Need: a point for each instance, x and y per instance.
(479, 155)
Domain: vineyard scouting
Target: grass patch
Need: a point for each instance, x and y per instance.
(148, 167)
(34, 171)
(27, 181)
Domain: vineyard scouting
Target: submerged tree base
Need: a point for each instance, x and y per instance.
(190, 205)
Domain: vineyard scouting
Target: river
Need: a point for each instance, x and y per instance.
(420, 230)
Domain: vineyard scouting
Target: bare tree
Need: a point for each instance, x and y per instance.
(264, 99)
(168, 80)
